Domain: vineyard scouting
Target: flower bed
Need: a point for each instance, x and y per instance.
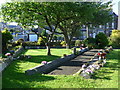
(10, 58)
(89, 68)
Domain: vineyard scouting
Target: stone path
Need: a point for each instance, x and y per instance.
(72, 66)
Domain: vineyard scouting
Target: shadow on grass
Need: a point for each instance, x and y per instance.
(14, 77)
(114, 55)
(39, 58)
(112, 64)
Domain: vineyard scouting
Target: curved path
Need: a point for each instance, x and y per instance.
(72, 66)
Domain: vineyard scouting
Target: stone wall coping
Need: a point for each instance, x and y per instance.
(44, 69)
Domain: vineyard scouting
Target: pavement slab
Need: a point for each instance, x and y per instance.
(72, 66)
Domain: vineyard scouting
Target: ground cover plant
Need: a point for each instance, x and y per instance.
(14, 76)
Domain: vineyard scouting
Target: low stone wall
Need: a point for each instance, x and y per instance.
(8, 60)
(95, 64)
(44, 69)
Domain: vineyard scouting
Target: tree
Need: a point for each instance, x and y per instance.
(101, 40)
(12, 30)
(41, 14)
(6, 36)
(85, 14)
(0, 43)
(36, 13)
(51, 14)
(69, 29)
(101, 16)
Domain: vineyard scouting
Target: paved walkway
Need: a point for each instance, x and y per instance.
(72, 66)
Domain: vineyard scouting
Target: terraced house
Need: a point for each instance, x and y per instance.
(107, 28)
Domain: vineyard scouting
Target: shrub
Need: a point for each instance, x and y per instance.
(72, 43)
(41, 41)
(6, 36)
(30, 44)
(20, 41)
(101, 40)
(55, 44)
(90, 42)
(114, 39)
(63, 43)
(78, 43)
(14, 44)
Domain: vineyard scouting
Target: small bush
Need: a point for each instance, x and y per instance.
(30, 44)
(41, 41)
(78, 42)
(63, 43)
(6, 36)
(114, 39)
(90, 42)
(54, 44)
(20, 41)
(101, 40)
(72, 43)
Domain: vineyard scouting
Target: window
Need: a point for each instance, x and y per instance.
(90, 25)
(84, 26)
(112, 24)
(107, 25)
(100, 26)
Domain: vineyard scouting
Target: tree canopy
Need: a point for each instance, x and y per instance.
(54, 14)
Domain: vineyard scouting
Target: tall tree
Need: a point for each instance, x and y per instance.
(102, 15)
(84, 13)
(0, 43)
(41, 14)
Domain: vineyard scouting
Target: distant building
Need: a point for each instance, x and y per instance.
(5, 25)
(107, 28)
(119, 15)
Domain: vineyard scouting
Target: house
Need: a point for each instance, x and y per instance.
(107, 28)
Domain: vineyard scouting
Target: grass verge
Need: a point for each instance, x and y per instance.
(14, 76)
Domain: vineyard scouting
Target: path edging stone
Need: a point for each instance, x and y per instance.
(44, 69)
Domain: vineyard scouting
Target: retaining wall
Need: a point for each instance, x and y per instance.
(8, 60)
(44, 69)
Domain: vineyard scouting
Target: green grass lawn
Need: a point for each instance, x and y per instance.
(14, 76)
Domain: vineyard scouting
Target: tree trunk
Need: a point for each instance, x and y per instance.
(48, 49)
(105, 31)
(48, 44)
(66, 38)
(0, 43)
(68, 46)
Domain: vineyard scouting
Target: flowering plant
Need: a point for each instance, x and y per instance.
(89, 71)
(44, 62)
(96, 66)
(8, 54)
(83, 66)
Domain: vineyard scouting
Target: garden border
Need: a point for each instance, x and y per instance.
(46, 68)
(6, 62)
